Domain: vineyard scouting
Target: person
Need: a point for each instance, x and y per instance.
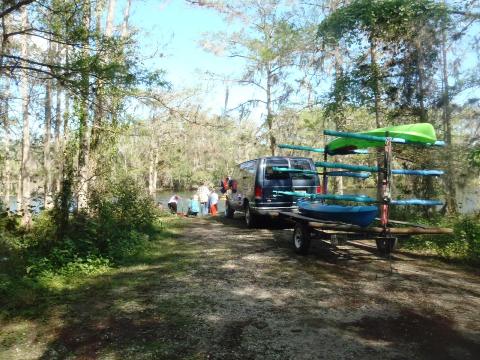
(173, 203)
(193, 206)
(224, 184)
(203, 192)
(213, 203)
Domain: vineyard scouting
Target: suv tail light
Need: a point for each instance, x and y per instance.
(258, 192)
(318, 190)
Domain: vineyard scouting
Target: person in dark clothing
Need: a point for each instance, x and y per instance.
(173, 203)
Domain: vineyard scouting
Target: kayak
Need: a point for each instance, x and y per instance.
(422, 133)
(356, 215)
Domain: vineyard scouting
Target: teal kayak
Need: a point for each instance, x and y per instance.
(421, 133)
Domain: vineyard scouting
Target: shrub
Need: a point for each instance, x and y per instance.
(467, 229)
(463, 245)
(122, 217)
(119, 219)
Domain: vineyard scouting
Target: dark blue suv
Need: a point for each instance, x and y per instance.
(255, 182)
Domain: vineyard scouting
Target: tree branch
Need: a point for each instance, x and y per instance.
(15, 7)
(466, 14)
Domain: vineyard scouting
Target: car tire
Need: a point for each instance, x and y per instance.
(229, 211)
(301, 239)
(250, 217)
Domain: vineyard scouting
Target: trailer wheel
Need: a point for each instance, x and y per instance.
(301, 239)
(386, 245)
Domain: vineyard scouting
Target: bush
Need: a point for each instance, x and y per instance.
(467, 230)
(463, 245)
(120, 218)
(123, 218)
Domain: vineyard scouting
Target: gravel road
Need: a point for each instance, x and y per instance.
(343, 303)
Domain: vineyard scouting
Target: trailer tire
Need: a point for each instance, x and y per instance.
(301, 239)
(385, 246)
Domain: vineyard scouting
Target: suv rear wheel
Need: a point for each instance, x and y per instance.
(250, 217)
(228, 211)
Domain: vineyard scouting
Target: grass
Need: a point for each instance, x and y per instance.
(127, 298)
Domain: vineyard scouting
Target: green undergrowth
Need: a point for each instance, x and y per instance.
(463, 246)
(28, 290)
(37, 266)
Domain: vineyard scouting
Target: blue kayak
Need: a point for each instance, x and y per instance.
(356, 215)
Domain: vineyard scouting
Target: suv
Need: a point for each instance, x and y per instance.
(254, 182)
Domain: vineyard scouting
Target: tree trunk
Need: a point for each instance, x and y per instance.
(153, 172)
(150, 172)
(58, 138)
(25, 159)
(376, 86)
(19, 192)
(83, 155)
(338, 116)
(46, 146)
(4, 110)
(270, 112)
(126, 15)
(449, 178)
(4, 116)
(421, 78)
(378, 122)
(426, 182)
(110, 17)
(66, 111)
(98, 112)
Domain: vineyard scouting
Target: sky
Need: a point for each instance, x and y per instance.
(174, 29)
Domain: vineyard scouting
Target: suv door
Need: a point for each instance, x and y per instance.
(304, 182)
(280, 181)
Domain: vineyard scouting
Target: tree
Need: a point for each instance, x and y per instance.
(405, 30)
(25, 160)
(269, 45)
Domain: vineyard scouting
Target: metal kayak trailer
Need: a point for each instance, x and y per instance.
(308, 228)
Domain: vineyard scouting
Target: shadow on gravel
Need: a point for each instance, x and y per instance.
(433, 334)
(222, 291)
(264, 222)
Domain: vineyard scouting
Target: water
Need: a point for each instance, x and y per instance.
(468, 199)
(36, 204)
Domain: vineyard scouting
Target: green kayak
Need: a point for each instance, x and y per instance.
(422, 133)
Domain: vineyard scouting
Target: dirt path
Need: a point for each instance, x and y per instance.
(220, 291)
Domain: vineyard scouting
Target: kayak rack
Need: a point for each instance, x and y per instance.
(385, 169)
(385, 235)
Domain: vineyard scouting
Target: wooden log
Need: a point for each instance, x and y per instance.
(379, 230)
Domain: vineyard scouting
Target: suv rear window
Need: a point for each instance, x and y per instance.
(272, 175)
(301, 164)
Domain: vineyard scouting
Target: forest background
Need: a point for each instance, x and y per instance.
(93, 125)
